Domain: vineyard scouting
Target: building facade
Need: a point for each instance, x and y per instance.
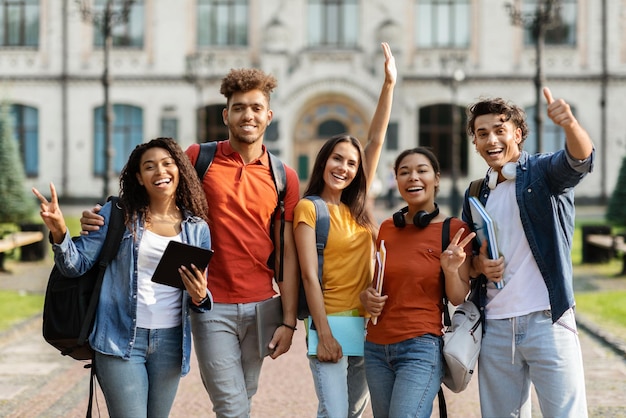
(167, 59)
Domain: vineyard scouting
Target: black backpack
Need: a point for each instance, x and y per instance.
(70, 302)
(205, 158)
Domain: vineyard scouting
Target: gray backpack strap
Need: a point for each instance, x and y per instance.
(322, 226)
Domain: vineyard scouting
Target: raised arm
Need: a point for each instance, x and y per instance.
(577, 139)
(380, 120)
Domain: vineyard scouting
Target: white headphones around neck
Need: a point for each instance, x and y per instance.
(508, 170)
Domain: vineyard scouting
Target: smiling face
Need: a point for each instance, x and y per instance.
(497, 141)
(158, 173)
(417, 181)
(247, 116)
(341, 167)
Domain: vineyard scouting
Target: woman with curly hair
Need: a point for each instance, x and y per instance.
(141, 336)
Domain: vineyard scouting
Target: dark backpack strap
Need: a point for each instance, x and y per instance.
(322, 226)
(109, 250)
(445, 241)
(205, 158)
(280, 182)
(475, 187)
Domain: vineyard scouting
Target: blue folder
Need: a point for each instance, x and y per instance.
(349, 331)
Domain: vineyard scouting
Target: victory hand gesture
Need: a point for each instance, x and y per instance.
(51, 214)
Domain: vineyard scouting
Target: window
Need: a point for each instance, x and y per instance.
(25, 130)
(333, 23)
(19, 20)
(436, 130)
(126, 31)
(126, 134)
(562, 29)
(222, 22)
(552, 138)
(211, 124)
(442, 23)
(391, 142)
(169, 127)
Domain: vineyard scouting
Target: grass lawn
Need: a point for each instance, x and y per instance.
(17, 306)
(607, 306)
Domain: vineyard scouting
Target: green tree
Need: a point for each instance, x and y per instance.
(616, 211)
(17, 204)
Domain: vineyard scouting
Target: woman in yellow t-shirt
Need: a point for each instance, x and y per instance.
(403, 351)
(341, 176)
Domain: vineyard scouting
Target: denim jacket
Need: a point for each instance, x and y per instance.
(544, 189)
(116, 316)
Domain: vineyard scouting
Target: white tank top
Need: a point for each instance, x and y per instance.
(158, 305)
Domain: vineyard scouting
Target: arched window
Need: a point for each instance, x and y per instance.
(126, 134)
(26, 132)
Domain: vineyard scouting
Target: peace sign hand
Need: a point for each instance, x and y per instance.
(454, 256)
(51, 214)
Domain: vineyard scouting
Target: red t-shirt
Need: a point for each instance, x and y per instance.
(242, 198)
(411, 281)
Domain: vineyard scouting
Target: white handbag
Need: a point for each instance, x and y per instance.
(461, 346)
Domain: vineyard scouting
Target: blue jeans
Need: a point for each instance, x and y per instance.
(529, 348)
(146, 384)
(226, 345)
(341, 387)
(404, 377)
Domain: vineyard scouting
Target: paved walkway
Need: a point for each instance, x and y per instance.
(36, 381)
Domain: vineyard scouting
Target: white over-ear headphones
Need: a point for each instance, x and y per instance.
(508, 170)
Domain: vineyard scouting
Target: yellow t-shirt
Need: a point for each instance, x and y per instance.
(348, 253)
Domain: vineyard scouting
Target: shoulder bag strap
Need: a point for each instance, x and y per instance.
(445, 241)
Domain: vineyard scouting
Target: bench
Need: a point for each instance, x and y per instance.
(614, 243)
(15, 240)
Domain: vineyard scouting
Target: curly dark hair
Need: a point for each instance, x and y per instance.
(189, 193)
(497, 106)
(354, 196)
(246, 79)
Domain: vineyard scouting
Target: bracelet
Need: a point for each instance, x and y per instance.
(204, 299)
(291, 327)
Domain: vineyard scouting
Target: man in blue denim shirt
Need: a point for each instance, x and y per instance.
(530, 331)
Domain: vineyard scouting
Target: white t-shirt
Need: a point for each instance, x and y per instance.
(158, 305)
(524, 289)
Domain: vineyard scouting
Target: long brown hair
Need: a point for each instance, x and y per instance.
(354, 196)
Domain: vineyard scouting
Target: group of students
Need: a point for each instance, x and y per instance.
(142, 336)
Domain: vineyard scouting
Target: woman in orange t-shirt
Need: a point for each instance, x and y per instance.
(403, 349)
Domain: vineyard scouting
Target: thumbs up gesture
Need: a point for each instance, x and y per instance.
(558, 110)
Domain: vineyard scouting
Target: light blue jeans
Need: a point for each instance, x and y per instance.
(145, 385)
(404, 377)
(226, 345)
(525, 349)
(341, 387)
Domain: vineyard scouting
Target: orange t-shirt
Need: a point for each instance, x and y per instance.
(242, 198)
(411, 281)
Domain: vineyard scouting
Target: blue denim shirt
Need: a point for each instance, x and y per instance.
(116, 316)
(544, 189)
